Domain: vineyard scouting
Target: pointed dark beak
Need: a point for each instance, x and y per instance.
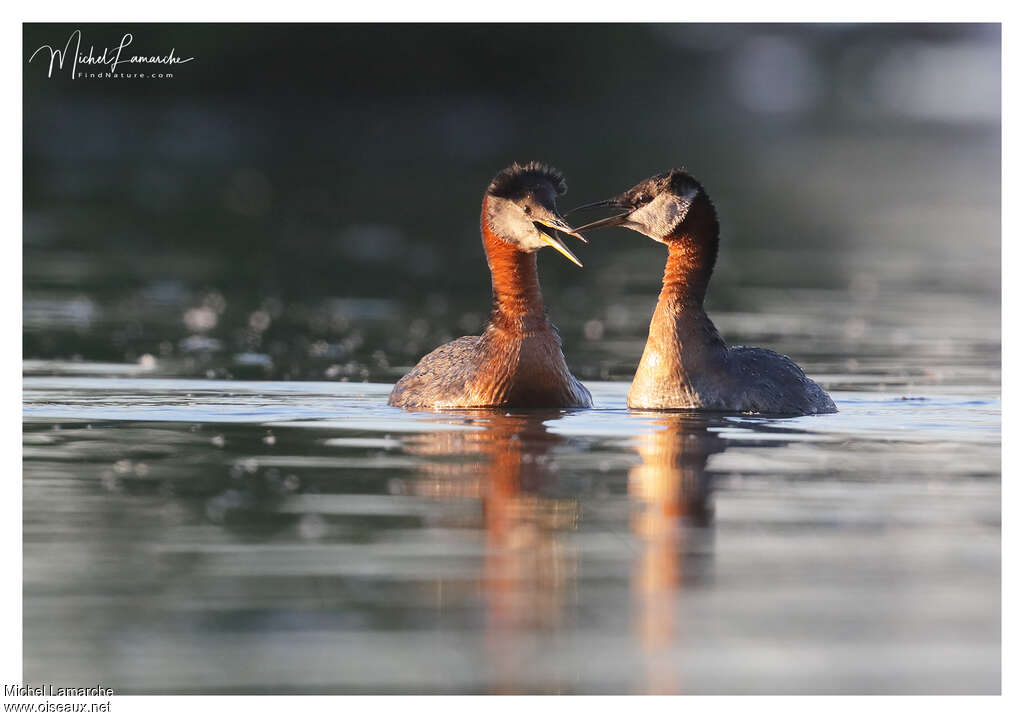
(612, 202)
(556, 222)
(613, 221)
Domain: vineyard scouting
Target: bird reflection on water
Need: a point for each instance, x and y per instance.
(530, 575)
(528, 567)
(478, 552)
(673, 490)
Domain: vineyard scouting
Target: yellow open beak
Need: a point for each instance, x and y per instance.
(555, 242)
(551, 238)
(561, 225)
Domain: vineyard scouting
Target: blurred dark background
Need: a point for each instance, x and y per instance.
(301, 201)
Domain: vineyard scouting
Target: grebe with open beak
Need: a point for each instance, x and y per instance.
(517, 361)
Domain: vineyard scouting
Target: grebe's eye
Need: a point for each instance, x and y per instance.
(642, 198)
(526, 209)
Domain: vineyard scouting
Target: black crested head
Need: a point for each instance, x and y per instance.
(520, 180)
(519, 208)
(676, 181)
(658, 206)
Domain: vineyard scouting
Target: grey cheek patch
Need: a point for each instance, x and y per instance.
(501, 216)
(658, 218)
(509, 222)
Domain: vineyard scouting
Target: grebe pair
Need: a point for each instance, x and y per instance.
(518, 361)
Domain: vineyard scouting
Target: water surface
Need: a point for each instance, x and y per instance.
(187, 535)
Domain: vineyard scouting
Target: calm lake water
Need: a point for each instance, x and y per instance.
(224, 536)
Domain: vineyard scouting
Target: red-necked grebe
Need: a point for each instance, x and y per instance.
(685, 364)
(517, 361)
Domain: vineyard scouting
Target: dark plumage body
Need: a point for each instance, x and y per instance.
(517, 361)
(686, 364)
(493, 370)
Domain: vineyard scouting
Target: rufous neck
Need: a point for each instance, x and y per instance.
(692, 250)
(515, 288)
